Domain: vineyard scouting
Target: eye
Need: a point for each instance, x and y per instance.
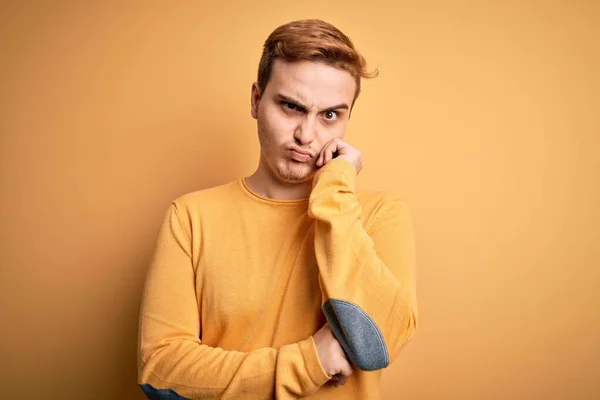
(331, 115)
(290, 106)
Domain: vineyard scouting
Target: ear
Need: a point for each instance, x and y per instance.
(254, 100)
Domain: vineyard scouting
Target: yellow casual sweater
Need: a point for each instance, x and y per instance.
(239, 283)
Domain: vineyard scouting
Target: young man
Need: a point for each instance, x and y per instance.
(288, 283)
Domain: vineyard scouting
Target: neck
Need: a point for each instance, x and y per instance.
(264, 183)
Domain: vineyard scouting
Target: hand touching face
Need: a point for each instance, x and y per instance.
(340, 149)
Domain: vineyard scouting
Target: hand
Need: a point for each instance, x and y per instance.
(332, 356)
(343, 150)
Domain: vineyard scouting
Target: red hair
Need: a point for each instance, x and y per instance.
(312, 40)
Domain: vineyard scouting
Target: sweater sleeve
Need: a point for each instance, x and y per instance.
(366, 273)
(173, 363)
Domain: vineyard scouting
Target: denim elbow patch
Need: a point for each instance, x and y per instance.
(358, 335)
(160, 394)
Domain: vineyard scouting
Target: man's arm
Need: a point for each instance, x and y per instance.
(174, 363)
(367, 273)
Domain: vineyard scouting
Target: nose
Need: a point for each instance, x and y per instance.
(305, 131)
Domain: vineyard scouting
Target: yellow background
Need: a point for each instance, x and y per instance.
(485, 119)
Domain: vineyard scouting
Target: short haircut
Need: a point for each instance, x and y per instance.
(312, 40)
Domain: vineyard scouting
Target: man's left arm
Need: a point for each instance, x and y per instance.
(367, 273)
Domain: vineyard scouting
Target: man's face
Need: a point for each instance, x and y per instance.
(304, 106)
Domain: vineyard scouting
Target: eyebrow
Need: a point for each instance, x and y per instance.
(298, 103)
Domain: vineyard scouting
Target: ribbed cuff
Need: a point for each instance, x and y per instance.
(312, 363)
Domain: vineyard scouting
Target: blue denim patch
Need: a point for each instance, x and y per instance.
(358, 335)
(160, 394)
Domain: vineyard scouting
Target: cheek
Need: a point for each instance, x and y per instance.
(276, 125)
(330, 133)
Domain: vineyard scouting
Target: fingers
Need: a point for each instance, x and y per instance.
(343, 367)
(339, 380)
(322, 155)
(346, 369)
(327, 152)
(332, 356)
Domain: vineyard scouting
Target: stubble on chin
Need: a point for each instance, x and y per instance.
(293, 174)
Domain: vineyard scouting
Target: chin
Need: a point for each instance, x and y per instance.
(292, 172)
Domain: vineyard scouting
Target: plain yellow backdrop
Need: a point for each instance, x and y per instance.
(484, 119)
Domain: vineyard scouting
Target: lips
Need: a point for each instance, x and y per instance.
(299, 155)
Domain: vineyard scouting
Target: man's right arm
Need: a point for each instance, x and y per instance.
(173, 363)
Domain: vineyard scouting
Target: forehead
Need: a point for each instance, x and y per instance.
(312, 82)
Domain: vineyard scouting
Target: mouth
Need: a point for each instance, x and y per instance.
(299, 155)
